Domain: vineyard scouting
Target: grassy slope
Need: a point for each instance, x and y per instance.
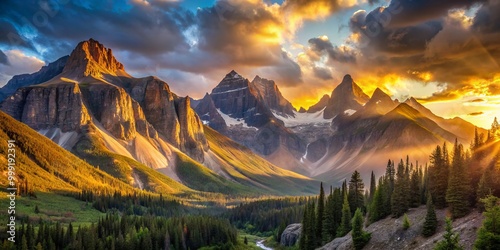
(91, 148)
(248, 168)
(199, 177)
(47, 166)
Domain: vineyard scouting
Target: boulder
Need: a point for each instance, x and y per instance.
(291, 235)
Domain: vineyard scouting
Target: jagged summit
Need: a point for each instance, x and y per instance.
(91, 58)
(233, 75)
(346, 96)
(320, 105)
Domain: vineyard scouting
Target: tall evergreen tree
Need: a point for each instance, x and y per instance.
(486, 184)
(373, 186)
(488, 237)
(457, 194)
(438, 176)
(320, 216)
(345, 224)
(305, 223)
(415, 188)
(450, 241)
(356, 189)
(430, 223)
(399, 198)
(359, 237)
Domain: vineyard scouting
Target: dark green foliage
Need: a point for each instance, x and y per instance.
(415, 188)
(438, 172)
(457, 194)
(265, 216)
(345, 224)
(431, 222)
(245, 241)
(356, 190)
(487, 183)
(320, 216)
(488, 237)
(359, 237)
(333, 213)
(450, 241)
(399, 199)
(373, 186)
(133, 232)
(377, 207)
(406, 222)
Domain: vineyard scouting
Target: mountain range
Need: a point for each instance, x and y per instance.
(243, 137)
(94, 109)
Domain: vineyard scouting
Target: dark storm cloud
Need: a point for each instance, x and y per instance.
(3, 58)
(10, 36)
(322, 73)
(145, 29)
(409, 12)
(320, 46)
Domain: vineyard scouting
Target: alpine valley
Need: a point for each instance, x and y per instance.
(99, 148)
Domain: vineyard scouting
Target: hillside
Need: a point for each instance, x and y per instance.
(388, 233)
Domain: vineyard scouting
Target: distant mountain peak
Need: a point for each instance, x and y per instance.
(233, 75)
(347, 95)
(91, 58)
(320, 105)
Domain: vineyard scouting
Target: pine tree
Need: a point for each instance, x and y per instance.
(457, 194)
(356, 189)
(431, 222)
(373, 186)
(320, 216)
(245, 241)
(486, 184)
(359, 237)
(345, 224)
(305, 223)
(377, 208)
(329, 223)
(450, 241)
(399, 198)
(438, 177)
(488, 237)
(415, 188)
(495, 129)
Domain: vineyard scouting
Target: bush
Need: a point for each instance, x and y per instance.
(406, 222)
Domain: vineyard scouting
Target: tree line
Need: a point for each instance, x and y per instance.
(128, 232)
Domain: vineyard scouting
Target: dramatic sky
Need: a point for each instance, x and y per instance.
(445, 53)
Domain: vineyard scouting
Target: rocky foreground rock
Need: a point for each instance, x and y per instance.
(291, 235)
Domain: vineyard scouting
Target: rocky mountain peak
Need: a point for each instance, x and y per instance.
(233, 75)
(321, 104)
(346, 96)
(91, 58)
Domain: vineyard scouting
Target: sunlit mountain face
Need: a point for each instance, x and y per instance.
(445, 55)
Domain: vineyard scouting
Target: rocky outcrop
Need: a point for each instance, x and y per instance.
(44, 74)
(291, 235)
(113, 108)
(271, 95)
(346, 96)
(302, 110)
(192, 137)
(91, 58)
(50, 106)
(320, 105)
(209, 115)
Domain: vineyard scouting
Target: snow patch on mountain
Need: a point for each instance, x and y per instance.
(303, 118)
(349, 112)
(230, 121)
